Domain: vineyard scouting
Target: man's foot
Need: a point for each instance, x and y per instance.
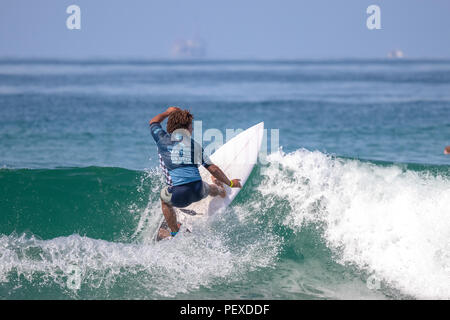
(163, 233)
(221, 190)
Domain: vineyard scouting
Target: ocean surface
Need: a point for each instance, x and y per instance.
(354, 204)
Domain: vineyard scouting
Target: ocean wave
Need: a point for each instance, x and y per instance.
(306, 225)
(388, 221)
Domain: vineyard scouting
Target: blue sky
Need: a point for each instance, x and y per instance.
(232, 29)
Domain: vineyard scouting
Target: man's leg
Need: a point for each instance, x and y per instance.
(170, 215)
(171, 219)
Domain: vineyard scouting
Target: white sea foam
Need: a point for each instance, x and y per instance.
(387, 221)
(164, 269)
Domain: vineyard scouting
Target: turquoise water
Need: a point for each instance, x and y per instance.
(354, 204)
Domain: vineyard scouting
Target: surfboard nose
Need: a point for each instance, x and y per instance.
(259, 126)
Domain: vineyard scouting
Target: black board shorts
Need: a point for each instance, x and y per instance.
(183, 195)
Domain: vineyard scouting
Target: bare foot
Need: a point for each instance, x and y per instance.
(163, 233)
(221, 189)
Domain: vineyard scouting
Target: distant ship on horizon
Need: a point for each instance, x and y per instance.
(189, 48)
(396, 54)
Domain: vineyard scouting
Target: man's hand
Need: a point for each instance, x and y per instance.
(217, 173)
(236, 183)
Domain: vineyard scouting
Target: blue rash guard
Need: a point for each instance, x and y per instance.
(179, 157)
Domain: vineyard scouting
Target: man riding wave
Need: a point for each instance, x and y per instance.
(179, 157)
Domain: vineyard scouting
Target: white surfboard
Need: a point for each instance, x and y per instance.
(236, 158)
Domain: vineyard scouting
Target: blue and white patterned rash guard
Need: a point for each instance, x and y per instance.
(179, 155)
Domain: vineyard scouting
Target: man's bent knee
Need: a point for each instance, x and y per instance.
(166, 196)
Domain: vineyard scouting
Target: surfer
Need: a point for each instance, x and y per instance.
(447, 150)
(179, 157)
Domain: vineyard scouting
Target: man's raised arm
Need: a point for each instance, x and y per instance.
(160, 117)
